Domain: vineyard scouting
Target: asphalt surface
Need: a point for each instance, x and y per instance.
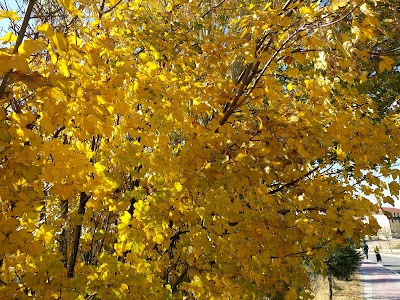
(391, 261)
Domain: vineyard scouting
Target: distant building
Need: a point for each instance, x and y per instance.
(389, 220)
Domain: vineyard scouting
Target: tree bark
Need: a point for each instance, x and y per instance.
(64, 232)
(77, 234)
(330, 281)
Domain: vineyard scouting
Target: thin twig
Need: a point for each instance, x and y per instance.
(344, 17)
(293, 182)
(112, 7)
(212, 8)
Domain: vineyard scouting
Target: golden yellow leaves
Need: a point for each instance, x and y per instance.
(121, 90)
(45, 233)
(16, 61)
(69, 5)
(9, 14)
(9, 38)
(394, 188)
(178, 186)
(63, 67)
(30, 46)
(336, 4)
(158, 238)
(122, 247)
(59, 40)
(366, 9)
(306, 10)
(125, 218)
(386, 63)
(340, 153)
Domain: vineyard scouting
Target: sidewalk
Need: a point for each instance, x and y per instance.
(379, 282)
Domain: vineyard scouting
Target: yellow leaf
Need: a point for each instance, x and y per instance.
(9, 38)
(240, 156)
(17, 62)
(385, 64)
(67, 4)
(45, 232)
(394, 188)
(74, 39)
(99, 167)
(100, 99)
(285, 21)
(60, 40)
(305, 10)
(9, 14)
(151, 67)
(367, 10)
(125, 218)
(340, 153)
(158, 238)
(46, 29)
(30, 46)
(374, 21)
(178, 186)
(336, 4)
(63, 67)
(195, 102)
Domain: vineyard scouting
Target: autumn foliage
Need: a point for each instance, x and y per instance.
(188, 149)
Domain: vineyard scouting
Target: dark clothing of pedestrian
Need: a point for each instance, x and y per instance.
(366, 250)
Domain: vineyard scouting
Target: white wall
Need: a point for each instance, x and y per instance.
(383, 221)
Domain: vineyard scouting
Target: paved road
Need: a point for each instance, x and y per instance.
(379, 282)
(391, 261)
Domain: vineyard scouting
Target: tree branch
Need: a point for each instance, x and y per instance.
(344, 17)
(293, 182)
(105, 233)
(77, 234)
(20, 37)
(250, 76)
(111, 8)
(180, 279)
(64, 232)
(212, 8)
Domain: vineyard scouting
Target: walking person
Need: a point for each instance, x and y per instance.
(377, 253)
(366, 250)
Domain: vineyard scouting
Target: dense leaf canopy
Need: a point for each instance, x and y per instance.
(190, 149)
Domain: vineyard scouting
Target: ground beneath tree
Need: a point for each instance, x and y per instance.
(343, 290)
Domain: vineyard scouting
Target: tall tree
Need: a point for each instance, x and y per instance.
(186, 149)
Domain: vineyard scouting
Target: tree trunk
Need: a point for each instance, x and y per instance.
(330, 281)
(64, 232)
(77, 235)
